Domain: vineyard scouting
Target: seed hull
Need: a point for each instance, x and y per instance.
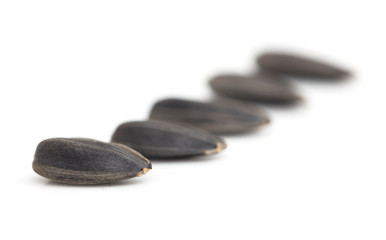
(224, 118)
(86, 161)
(159, 139)
(300, 66)
(254, 89)
(83, 177)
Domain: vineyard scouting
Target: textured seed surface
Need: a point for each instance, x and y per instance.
(219, 118)
(157, 139)
(261, 88)
(86, 161)
(299, 66)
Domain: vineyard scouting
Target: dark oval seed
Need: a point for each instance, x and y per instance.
(157, 139)
(87, 161)
(256, 88)
(299, 66)
(270, 76)
(217, 118)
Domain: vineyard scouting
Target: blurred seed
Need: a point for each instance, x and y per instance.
(218, 118)
(86, 161)
(299, 66)
(262, 75)
(260, 88)
(157, 139)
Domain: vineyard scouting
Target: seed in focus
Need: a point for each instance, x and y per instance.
(87, 161)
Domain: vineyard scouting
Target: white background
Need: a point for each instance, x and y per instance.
(80, 68)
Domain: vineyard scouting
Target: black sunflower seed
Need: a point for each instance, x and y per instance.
(219, 118)
(260, 88)
(86, 161)
(299, 66)
(157, 139)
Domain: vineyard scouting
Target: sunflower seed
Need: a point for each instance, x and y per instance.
(157, 139)
(299, 66)
(261, 88)
(219, 118)
(262, 75)
(86, 161)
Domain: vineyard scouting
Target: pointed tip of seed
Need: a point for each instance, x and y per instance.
(266, 122)
(143, 172)
(220, 146)
(343, 74)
